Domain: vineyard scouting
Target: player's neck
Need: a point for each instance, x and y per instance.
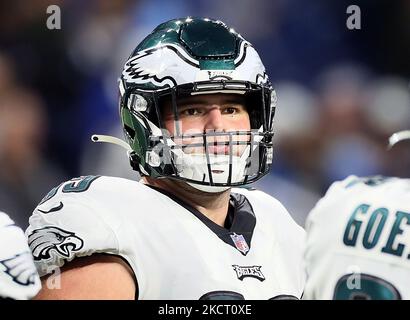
(213, 205)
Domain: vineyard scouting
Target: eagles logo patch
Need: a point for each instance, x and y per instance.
(249, 271)
(46, 240)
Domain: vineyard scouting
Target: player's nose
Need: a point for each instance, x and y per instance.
(214, 119)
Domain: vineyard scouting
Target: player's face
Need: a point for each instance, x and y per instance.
(209, 113)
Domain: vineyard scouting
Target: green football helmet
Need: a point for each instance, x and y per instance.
(187, 57)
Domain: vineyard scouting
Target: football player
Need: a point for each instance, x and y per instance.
(18, 275)
(197, 111)
(358, 239)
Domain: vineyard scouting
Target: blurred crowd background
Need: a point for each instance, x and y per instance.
(341, 93)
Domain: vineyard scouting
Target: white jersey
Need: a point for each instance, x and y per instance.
(174, 251)
(358, 241)
(18, 275)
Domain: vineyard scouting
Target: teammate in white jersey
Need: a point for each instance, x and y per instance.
(197, 110)
(18, 275)
(358, 239)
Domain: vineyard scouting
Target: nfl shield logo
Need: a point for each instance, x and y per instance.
(240, 243)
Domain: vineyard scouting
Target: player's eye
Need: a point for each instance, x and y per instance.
(190, 112)
(230, 110)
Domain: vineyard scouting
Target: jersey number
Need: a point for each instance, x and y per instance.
(80, 184)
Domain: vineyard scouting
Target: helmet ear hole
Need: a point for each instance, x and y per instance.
(164, 102)
(253, 106)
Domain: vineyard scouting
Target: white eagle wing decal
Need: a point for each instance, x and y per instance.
(166, 65)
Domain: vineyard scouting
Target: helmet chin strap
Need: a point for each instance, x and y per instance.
(397, 137)
(195, 166)
(123, 144)
(116, 141)
(112, 140)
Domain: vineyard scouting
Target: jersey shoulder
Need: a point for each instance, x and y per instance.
(94, 187)
(81, 217)
(356, 189)
(271, 210)
(352, 184)
(260, 199)
(96, 196)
